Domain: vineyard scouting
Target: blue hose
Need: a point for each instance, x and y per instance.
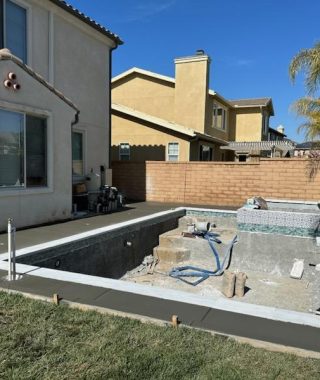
(203, 274)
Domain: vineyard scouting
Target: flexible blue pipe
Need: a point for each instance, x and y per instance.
(190, 271)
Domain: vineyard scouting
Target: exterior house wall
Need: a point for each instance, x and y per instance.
(145, 140)
(74, 58)
(186, 100)
(248, 124)
(39, 205)
(191, 91)
(149, 95)
(81, 72)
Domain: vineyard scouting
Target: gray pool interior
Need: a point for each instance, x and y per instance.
(110, 254)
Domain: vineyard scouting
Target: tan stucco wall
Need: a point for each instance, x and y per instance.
(146, 142)
(145, 94)
(248, 124)
(191, 92)
(40, 205)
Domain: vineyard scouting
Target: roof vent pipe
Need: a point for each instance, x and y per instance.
(280, 129)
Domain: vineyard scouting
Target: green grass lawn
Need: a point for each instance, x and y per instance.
(44, 341)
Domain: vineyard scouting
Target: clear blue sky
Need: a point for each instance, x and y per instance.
(251, 42)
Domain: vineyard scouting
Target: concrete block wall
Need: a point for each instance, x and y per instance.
(216, 183)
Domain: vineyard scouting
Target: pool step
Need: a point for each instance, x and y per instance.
(177, 241)
(174, 255)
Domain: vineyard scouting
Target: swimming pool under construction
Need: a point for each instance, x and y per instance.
(173, 263)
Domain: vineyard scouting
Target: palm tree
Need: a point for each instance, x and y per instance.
(308, 60)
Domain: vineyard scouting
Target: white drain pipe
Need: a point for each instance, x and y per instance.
(11, 251)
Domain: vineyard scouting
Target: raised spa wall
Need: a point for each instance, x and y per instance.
(286, 218)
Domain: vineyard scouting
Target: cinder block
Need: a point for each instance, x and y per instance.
(174, 255)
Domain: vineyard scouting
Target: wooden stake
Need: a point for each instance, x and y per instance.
(175, 321)
(56, 299)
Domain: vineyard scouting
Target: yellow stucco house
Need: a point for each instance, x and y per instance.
(155, 117)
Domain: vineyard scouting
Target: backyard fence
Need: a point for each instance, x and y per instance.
(217, 183)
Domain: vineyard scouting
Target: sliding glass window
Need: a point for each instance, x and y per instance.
(11, 149)
(23, 150)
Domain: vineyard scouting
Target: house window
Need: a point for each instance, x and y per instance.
(13, 28)
(77, 153)
(173, 151)
(219, 117)
(206, 153)
(23, 150)
(124, 152)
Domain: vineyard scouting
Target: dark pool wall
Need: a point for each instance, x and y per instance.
(110, 254)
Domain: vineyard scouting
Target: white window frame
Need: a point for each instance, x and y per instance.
(83, 132)
(14, 191)
(28, 9)
(120, 155)
(175, 155)
(224, 117)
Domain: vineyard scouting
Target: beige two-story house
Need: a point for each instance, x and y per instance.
(54, 107)
(155, 117)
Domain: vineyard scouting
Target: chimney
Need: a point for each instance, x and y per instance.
(191, 90)
(280, 129)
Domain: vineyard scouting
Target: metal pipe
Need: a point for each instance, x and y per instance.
(13, 261)
(9, 250)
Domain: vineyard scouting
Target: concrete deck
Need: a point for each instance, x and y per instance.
(292, 334)
(42, 234)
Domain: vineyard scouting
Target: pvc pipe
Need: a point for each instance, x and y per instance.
(14, 271)
(12, 76)
(9, 251)
(7, 83)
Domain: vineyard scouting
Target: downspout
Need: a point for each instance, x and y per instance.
(73, 123)
(110, 102)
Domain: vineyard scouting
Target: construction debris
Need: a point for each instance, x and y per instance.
(240, 287)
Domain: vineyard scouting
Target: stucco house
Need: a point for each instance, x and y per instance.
(155, 117)
(55, 66)
(307, 148)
